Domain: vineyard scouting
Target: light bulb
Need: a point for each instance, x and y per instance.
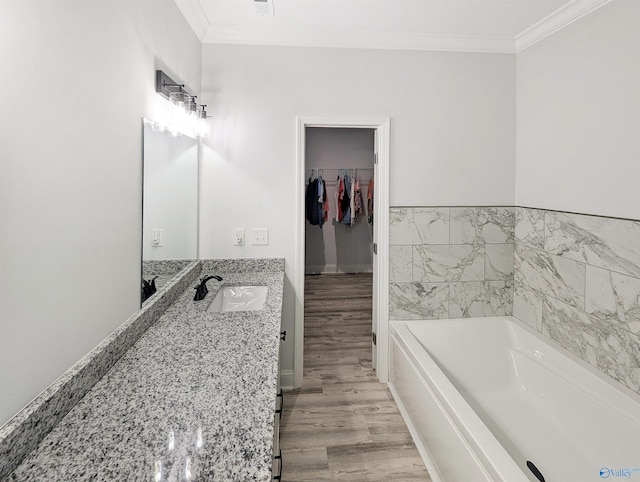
(180, 99)
(204, 129)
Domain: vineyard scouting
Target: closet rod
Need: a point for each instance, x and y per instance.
(331, 183)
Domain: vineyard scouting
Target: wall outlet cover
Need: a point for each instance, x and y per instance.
(260, 236)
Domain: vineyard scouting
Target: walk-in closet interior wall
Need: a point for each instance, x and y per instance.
(337, 248)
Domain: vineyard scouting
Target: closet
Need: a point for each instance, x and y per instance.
(339, 158)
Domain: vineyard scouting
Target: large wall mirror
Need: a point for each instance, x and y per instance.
(169, 205)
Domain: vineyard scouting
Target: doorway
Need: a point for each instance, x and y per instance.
(339, 164)
(379, 238)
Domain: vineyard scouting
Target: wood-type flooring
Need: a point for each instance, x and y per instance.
(342, 424)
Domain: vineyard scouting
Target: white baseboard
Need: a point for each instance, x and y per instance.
(286, 379)
(343, 268)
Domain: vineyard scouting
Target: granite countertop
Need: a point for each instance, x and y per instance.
(164, 271)
(193, 399)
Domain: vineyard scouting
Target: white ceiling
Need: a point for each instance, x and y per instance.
(459, 25)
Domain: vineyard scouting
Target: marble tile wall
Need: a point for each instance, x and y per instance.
(577, 281)
(451, 262)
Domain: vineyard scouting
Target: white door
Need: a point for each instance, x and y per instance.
(376, 258)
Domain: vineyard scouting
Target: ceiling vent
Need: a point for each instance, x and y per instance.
(262, 7)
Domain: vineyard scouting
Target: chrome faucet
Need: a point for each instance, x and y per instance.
(201, 289)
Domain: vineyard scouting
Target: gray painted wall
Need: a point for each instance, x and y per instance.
(452, 135)
(577, 116)
(78, 76)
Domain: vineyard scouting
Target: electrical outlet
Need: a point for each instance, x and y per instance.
(260, 236)
(238, 237)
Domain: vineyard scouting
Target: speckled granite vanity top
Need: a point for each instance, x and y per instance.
(193, 399)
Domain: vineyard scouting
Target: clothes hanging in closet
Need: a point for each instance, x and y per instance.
(316, 202)
(350, 197)
(348, 200)
(339, 194)
(358, 206)
(324, 211)
(345, 201)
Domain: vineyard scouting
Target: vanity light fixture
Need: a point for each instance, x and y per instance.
(165, 85)
(189, 116)
(192, 108)
(203, 127)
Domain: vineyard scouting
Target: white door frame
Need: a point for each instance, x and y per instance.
(381, 236)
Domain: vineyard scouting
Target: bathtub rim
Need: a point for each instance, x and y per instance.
(616, 397)
(488, 452)
(629, 397)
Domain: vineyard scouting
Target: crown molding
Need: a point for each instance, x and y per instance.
(557, 20)
(232, 34)
(291, 37)
(195, 16)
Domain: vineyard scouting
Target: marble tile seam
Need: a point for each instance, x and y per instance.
(602, 326)
(598, 321)
(616, 290)
(577, 213)
(521, 206)
(546, 252)
(454, 206)
(482, 243)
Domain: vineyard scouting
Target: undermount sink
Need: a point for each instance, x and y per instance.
(239, 298)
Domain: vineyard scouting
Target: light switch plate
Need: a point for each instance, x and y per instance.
(260, 236)
(157, 236)
(238, 237)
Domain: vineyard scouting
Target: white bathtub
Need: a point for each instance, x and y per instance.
(482, 396)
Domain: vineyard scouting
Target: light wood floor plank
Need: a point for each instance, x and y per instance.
(343, 425)
(313, 461)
